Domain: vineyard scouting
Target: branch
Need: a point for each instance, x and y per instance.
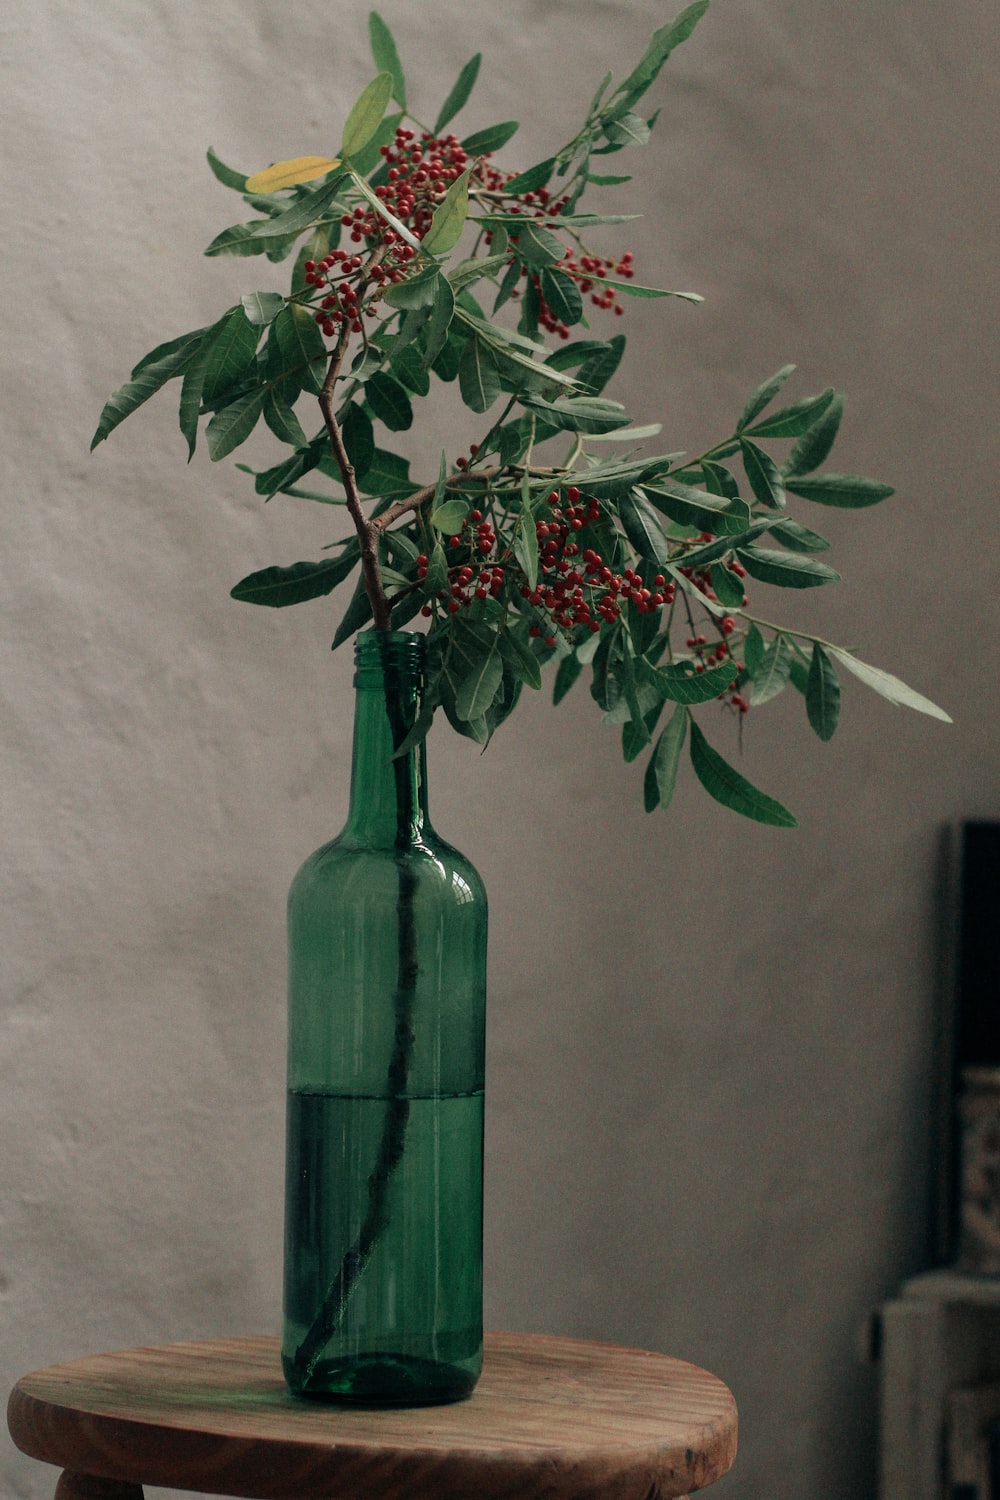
(455, 482)
(368, 532)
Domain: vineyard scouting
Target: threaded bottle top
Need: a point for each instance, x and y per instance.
(381, 654)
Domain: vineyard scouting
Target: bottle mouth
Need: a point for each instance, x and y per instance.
(380, 653)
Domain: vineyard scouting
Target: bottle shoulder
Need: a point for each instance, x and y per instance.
(345, 863)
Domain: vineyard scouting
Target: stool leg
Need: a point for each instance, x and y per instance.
(88, 1487)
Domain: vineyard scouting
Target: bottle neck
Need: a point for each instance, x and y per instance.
(388, 792)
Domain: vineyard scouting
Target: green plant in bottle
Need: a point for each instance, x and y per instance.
(558, 537)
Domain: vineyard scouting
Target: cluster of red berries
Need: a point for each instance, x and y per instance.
(344, 275)
(585, 271)
(419, 175)
(467, 584)
(715, 657)
(702, 577)
(578, 588)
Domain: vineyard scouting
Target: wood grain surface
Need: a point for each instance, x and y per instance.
(551, 1417)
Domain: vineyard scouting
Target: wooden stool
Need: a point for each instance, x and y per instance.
(551, 1417)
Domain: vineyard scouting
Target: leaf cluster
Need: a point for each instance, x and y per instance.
(386, 299)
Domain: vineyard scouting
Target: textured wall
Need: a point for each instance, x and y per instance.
(711, 1042)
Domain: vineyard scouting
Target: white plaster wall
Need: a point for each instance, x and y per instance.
(711, 1043)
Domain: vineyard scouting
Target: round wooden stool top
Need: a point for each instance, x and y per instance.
(552, 1417)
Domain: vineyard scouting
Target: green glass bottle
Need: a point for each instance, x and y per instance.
(386, 1002)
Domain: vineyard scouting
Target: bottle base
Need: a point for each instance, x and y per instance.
(382, 1380)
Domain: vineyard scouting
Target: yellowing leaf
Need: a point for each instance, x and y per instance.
(284, 174)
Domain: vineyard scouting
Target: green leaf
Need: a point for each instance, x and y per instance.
(727, 786)
(689, 587)
(526, 537)
(189, 406)
(521, 659)
(446, 362)
(368, 161)
(728, 587)
(662, 43)
(763, 474)
(535, 177)
(627, 130)
(567, 673)
(887, 686)
(693, 507)
(476, 667)
(282, 420)
(262, 308)
(682, 683)
(633, 289)
(636, 738)
(418, 291)
(475, 268)
(771, 676)
(661, 772)
(164, 363)
(793, 421)
(383, 213)
(355, 616)
(187, 343)
(366, 114)
(719, 480)
(580, 413)
(407, 366)
(508, 285)
(822, 694)
(562, 295)
(387, 476)
(710, 552)
(448, 517)
(437, 570)
(385, 56)
(449, 217)
(460, 91)
(504, 341)
(847, 491)
(798, 676)
(478, 377)
(483, 142)
(798, 537)
(814, 446)
(535, 247)
(230, 355)
(302, 214)
(242, 239)
(279, 478)
(233, 424)
(226, 175)
(753, 650)
(763, 396)
(278, 587)
(299, 350)
(628, 434)
(359, 439)
(642, 527)
(597, 368)
(785, 569)
(442, 314)
(389, 401)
